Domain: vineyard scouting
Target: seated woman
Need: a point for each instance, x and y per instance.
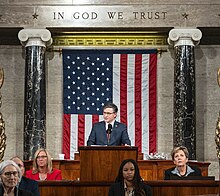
(181, 170)
(42, 167)
(10, 174)
(129, 182)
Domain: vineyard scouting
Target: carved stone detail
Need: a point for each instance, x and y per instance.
(217, 137)
(35, 37)
(180, 37)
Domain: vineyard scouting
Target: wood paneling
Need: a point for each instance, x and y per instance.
(149, 169)
(159, 188)
(154, 169)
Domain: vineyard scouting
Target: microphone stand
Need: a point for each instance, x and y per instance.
(108, 131)
(108, 136)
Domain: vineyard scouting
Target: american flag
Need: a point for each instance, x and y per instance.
(125, 77)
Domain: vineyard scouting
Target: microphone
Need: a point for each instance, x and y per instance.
(109, 131)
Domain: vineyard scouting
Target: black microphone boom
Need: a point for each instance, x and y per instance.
(109, 131)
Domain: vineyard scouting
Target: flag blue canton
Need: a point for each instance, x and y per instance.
(87, 82)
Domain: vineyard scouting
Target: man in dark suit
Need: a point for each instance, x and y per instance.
(109, 132)
(26, 183)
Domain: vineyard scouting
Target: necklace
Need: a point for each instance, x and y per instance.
(42, 176)
(130, 192)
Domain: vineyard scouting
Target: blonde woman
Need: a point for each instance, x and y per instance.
(43, 168)
(181, 170)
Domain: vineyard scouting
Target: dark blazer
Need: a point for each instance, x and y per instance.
(118, 137)
(117, 189)
(30, 185)
(20, 192)
(55, 175)
(169, 175)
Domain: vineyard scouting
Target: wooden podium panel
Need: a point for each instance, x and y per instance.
(101, 163)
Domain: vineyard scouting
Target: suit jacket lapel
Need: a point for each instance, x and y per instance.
(104, 132)
(115, 125)
(114, 131)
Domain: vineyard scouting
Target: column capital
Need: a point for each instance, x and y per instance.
(184, 36)
(35, 37)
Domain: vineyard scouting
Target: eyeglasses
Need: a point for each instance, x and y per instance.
(108, 113)
(41, 157)
(8, 174)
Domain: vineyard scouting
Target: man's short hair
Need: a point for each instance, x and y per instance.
(111, 105)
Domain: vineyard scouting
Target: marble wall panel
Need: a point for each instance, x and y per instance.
(200, 132)
(166, 67)
(202, 13)
(54, 116)
(54, 90)
(207, 108)
(165, 84)
(165, 127)
(40, 2)
(214, 169)
(207, 94)
(55, 93)
(54, 148)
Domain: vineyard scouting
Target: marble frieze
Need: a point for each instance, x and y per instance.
(131, 15)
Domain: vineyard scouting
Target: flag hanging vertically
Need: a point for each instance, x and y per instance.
(125, 77)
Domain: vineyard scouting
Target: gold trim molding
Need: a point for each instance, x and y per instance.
(134, 39)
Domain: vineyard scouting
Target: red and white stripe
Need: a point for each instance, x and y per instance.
(134, 92)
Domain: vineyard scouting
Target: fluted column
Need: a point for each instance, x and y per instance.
(184, 122)
(35, 42)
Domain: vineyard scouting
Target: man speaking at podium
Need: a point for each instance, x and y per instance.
(109, 132)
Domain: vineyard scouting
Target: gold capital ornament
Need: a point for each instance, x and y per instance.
(217, 137)
(217, 130)
(2, 123)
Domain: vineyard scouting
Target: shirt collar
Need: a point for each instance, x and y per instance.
(126, 191)
(189, 170)
(112, 123)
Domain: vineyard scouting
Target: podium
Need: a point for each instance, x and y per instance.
(101, 163)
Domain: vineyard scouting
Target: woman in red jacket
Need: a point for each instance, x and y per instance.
(42, 167)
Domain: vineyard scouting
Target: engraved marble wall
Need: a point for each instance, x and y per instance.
(165, 85)
(125, 14)
(13, 98)
(207, 64)
(54, 84)
(207, 101)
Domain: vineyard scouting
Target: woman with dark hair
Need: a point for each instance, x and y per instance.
(129, 182)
